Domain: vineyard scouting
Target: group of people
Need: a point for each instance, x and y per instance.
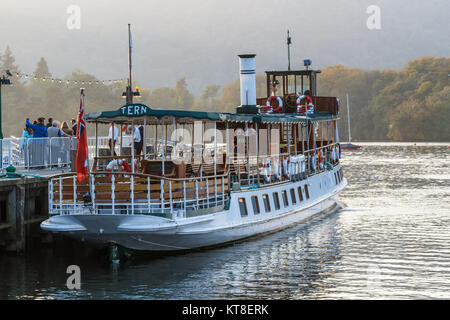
(42, 149)
(137, 134)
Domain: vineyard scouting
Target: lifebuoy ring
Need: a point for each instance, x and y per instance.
(305, 108)
(286, 167)
(268, 107)
(321, 159)
(119, 163)
(313, 162)
(277, 170)
(267, 171)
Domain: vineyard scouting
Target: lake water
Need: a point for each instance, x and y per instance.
(391, 241)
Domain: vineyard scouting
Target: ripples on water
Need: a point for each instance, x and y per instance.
(391, 241)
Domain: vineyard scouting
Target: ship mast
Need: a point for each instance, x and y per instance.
(348, 116)
(289, 50)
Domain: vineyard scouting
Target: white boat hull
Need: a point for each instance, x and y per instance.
(151, 233)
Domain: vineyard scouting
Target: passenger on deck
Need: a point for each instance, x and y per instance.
(138, 143)
(112, 137)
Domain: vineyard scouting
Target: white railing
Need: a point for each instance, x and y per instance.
(28, 153)
(172, 198)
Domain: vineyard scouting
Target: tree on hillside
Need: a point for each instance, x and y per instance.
(184, 98)
(8, 60)
(42, 69)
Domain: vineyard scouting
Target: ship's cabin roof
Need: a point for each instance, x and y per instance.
(140, 113)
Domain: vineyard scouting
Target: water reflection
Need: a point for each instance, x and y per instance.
(393, 241)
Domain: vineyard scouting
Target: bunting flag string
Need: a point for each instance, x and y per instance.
(67, 82)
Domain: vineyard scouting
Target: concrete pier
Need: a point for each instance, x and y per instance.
(23, 206)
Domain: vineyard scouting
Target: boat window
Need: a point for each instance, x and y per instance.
(285, 198)
(335, 178)
(276, 201)
(255, 204)
(266, 202)
(243, 207)
(294, 200)
(300, 194)
(306, 191)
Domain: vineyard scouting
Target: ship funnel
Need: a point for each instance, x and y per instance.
(247, 77)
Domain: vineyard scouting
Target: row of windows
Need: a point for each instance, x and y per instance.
(338, 176)
(276, 201)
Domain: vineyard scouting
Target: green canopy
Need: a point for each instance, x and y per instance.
(138, 113)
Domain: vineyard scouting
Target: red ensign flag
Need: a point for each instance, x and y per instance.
(82, 148)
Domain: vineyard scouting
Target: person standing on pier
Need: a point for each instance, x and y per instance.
(74, 127)
(39, 144)
(25, 145)
(55, 132)
(49, 123)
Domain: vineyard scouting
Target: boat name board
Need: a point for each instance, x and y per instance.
(134, 109)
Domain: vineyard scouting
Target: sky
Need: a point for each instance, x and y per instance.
(200, 39)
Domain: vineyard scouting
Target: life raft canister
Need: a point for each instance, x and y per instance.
(267, 171)
(305, 108)
(117, 162)
(269, 109)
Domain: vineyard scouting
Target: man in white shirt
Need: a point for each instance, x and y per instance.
(138, 141)
(112, 137)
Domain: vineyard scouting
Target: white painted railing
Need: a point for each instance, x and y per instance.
(28, 153)
(121, 194)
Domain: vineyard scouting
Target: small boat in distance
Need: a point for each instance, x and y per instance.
(349, 145)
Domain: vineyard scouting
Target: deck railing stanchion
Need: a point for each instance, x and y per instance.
(132, 194)
(93, 193)
(223, 190)
(148, 194)
(162, 195)
(113, 196)
(74, 192)
(170, 196)
(196, 192)
(207, 193)
(60, 194)
(50, 196)
(184, 197)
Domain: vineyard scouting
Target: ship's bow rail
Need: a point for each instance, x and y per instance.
(136, 193)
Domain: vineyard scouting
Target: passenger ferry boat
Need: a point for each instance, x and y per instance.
(208, 178)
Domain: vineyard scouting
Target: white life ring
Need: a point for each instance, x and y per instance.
(119, 163)
(313, 162)
(277, 170)
(267, 171)
(269, 109)
(321, 160)
(286, 165)
(305, 108)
